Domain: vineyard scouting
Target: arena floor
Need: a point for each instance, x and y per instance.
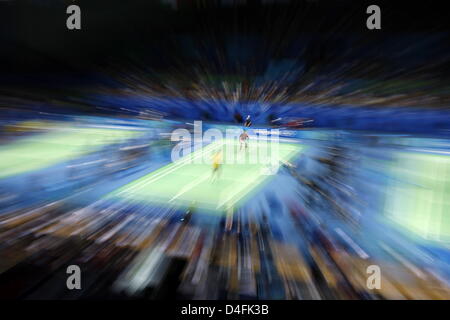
(190, 179)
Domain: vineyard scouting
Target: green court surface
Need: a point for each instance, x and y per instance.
(418, 196)
(43, 150)
(190, 179)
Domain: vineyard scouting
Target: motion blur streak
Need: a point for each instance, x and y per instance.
(87, 175)
(349, 200)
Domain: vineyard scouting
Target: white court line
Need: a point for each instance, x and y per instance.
(169, 169)
(257, 176)
(164, 170)
(233, 194)
(180, 166)
(187, 160)
(189, 186)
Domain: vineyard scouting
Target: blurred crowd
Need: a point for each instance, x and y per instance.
(314, 242)
(82, 116)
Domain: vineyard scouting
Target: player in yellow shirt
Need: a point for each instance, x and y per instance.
(216, 162)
